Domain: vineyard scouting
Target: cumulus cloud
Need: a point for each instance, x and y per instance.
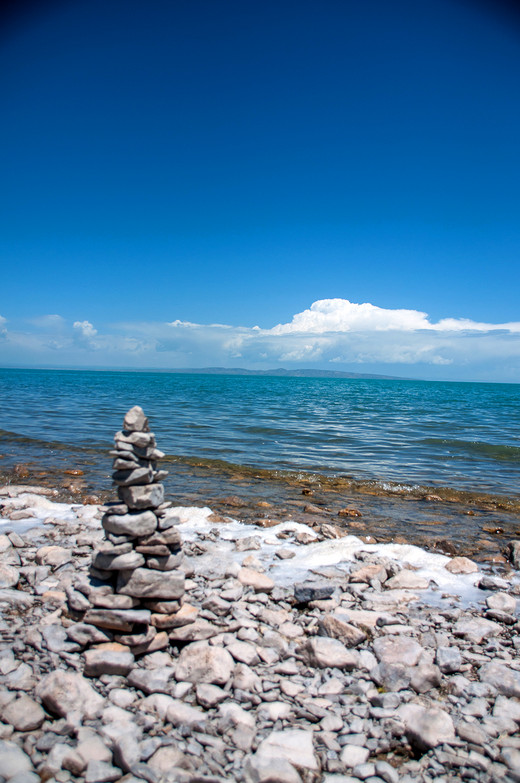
(3, 322)
(340, 315)
(85, 329)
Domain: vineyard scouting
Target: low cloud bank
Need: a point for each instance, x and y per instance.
(330, 334)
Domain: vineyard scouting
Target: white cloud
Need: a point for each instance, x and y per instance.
(340, 315)
(85, 329)
(332, 333)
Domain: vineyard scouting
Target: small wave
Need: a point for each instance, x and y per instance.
(7, 437)
(495, 451)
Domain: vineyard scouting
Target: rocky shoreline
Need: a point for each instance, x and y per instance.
(301, 654)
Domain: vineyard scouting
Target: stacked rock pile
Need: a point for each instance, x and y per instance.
(136, 588)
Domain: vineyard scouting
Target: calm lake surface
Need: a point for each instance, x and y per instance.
(379, 438)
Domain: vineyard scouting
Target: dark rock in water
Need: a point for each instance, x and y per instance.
(309, 591)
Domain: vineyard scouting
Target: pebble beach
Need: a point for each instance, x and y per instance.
(278, 652)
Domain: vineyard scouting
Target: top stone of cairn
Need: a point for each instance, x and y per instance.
(135, 420)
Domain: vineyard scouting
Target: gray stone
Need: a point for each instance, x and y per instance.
(501, 677)
(201, 662)
(101, 772)
(425, 677)
(352, 755)
(142, 523)
(144, 583)
(324, 652)
(134, 476)
(13, 760)
(9, 576)
(293, 745)
(84, 634)
(154, 681)
(135, 420)
(142, 496)
(348, 634)
(310, 591)
(448, 659)
(266, 768)
(398, 650)
(117, 619)
(475, 629)
(181, 714)
(391, 676)
(209, 696)
(108, 658)
(501, 602)
(24, 714)
(425, 727)
(167, 563)
(120, 562)
(68, 693)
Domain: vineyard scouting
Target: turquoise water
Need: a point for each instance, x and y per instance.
(395, 435)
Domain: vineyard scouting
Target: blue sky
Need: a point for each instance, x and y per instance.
(343, 176)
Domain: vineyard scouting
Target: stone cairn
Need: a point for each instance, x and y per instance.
(136, 586)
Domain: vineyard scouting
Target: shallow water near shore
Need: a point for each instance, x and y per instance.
(431, 463)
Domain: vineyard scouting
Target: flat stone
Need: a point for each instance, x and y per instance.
(145, 583)
(323, 652)
(112, 600)
(53, 556)
(23, 714)
(117, 619)
(167, 760)
(368, 573)
(201, 662)
(293, 745)
(108, 658)
(126, 561)
(501, 602)
(311, 591)
(261, 583)
(181, 714)
(348, 634)
(475, 629)
(407, 580)
(399, 650)
(425, 727)
(128, 478)
(185, 616)
(142, 523)
(154, 681)
(159, 642)
(142, 496)
(196, 631)
(165, 563)
(101, 772)
(243, 652)
(461, 565)
(393, 677)
(65, 693)
(266, 768)
(501, 677)
(170, 538)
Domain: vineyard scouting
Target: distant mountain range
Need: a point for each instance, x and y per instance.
(281, 372)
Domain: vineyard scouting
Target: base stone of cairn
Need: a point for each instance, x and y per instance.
(136, 586)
